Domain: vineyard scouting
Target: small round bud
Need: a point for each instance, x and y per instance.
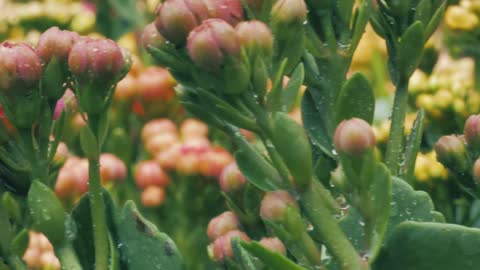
(59, 107)
(192, 128)
(155, 83)
(151, 38)
(158, 126)
(222, 224)
(211, 42)
(188, 163)
(230, 11)
(149, 173)
(459, 18)
(20, 66)
(471, 131)
(255, 35)
(274, 244)
(112, 168)
(231, 178)
(451, 152)
(168, 158)
(176, 18)
(222, 246)
(126, 88)
(61, 154)
(275, 203)
(354, 137)
(289, 11)
(160, 142)
(32, 258)
(56, 43)
(213, 161)
(153, 196)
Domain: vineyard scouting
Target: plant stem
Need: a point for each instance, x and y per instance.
(476, 78)
(395, 141)
(97, 205)
(327, 229)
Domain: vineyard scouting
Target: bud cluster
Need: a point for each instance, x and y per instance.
(382, 129)
(39, 254)
(463, 17)
(428, 169)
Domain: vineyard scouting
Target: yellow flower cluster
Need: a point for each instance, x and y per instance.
(39, 254)
(448, 92)
(382, 130)
(463, 17)
(427, 168)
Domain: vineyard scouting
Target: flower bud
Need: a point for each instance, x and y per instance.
(211, 42)
(126, 88)
(222, 246)
(66, 184)
(289, 11)
(61, 154)
(192, 128)
(274, 205)
(274, 244)
(476, 171)
(151, 38)
(222, 224)
(156, 83)
(354, 137)
(149, 173)
(451, 153)
(56, 43)
(32, 258)
(231, 178)
(59, 107)
(230, 11)
(49, 261)
(255, 35)
(471, 131)
(213, 161)
(96, 59)
(188, 164)
(153, 196)
(176, 18)
(459, 18)
(160, 142)
(157, 126)
(20, 66)
(112, 168)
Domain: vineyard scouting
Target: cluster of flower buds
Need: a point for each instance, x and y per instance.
(428, 169)
(448, 92)
(382, 129)
(223, 228)
(187, 150)
(72, 179)
(463, 17)
(152, 179)
(39, 254)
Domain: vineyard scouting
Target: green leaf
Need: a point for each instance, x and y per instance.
(356, 99)
(291, 142)
(412, 147)
(273, 259)
(435, 21)
(362, 16)
(427, 246)
(344, 9)
(47, 212)
(291, 91)
(423, 11)
(410, 49)
(117, 17)
(275, 94)
(241, 255)
(142, 246)
(20, 243)
(88, 142)
(6, 233)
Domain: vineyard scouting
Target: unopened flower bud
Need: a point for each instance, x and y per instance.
(211, 42)
(112, 168)
(231, 178)
(153, 196)
(157, 126)
(471, 131)
(274, 244)
(255, 35)
(168, 158)
(222, 224)
(59, 107)
(160, 142)
(213, 161)
(192, 128)
(354, 137)
(56, 43)
(476, 171)
(149, 173)
(289, 11)
(156, 83)
(230, 11)
(221, 248)
(49, 261)
(32, 258)
(61, 154)
(275, 203)
(66, 184)
(188, 164)
(451, 153)
(459, 18)
(20, 66)
(126, 88)
(151, 38)
(176, 18)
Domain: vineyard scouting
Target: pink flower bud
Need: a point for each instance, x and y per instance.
(58, 109)
(56, 43)
(275, 203)
(82, 175)
(213, 161)
(158, 126)
(354, 137)
(20, 66)
(66, 184)
(230, 11)
(126, 88)
(151, 37)
(61, 154)
(476, 171)
(187, 164)
(472, 131)
(231, 178)
(153, 196)
(222, 246)
(99, 59)
(197, 145)
(176, 18)
(112, 168)
(49, 261)
(274, 244)
(451, 152)
(255, 35)
(32, 258)
(192, 128)
(222, 224)
(169, 157)
(211, 42)
(289, 11)
(160, 142)
(149, 173)
(156, 83)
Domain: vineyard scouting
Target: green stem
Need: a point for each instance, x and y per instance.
(68, 258)
(97, 205)
(396, 140)
(477, 73)
(327, 229)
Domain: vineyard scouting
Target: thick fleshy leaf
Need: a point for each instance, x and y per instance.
(412, 146)
(435, 20)
(291, 91)
(142, 246)
(273, 259)
(427, 246)
(356, 99)
(410, 49)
